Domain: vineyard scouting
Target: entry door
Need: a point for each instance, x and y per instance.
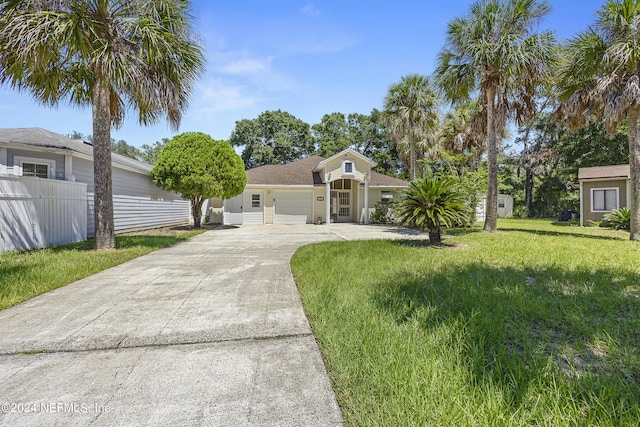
(341, 206)
(234, 214)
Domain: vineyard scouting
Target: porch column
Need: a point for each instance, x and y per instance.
(366, 199)
(327, 200)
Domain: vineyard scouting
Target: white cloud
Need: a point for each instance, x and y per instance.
(222, 96)
(310, 10)
(247, 66)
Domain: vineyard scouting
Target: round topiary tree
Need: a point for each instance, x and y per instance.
(199, 167)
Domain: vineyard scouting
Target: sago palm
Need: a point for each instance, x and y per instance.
(433, 203)
(411, 112)
(110, 54)
(601, 80)
(496, 52)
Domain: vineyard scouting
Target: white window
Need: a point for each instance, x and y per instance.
(255, 200)
(386, 196)
(41, 168)
(348, 167)
(501, 203)
(604, 199)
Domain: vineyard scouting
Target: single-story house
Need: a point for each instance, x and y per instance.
(341, 188)
(602, 189)
(46, 191)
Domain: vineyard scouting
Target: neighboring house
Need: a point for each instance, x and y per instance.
(343, 188)
(46, 191)
(602, 189)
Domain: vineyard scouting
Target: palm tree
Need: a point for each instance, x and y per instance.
(459, 136)
(411, 112)
(432, 203)
(601, 80)
(110, 54)
(495, 52)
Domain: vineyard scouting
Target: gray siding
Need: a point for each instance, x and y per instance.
(59, 159)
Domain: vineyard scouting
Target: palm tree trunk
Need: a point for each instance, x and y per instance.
(633, 117)
(491, 219)
(103, 193)
(412, 156)
(434, 236)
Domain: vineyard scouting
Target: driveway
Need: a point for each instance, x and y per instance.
(207, 332)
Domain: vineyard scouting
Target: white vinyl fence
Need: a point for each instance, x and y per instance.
(133, 213)
(36, 212)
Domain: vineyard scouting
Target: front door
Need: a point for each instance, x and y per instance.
(341, 206)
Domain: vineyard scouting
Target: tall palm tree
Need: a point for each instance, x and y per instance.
(496, 52)
(601, 79)
(110, 54)
(431, 204)
(411, 112)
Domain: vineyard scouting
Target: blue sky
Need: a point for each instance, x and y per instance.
(306, 58)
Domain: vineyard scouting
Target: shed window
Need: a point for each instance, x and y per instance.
(35, 169)
(501, 203)
(255, 200)
(604, 199)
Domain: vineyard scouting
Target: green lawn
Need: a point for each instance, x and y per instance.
(538, 324)
(24, 275)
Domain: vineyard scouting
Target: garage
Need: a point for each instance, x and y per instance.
(293, 207)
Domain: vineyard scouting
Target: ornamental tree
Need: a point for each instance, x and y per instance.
(199, 167)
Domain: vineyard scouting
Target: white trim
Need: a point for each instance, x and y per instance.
(351, 174)
(35, 148)
(617, 190)
(610, 178)
(351, 151)
(68, 166)
(581, 204)
(50, 164)
(283, 186)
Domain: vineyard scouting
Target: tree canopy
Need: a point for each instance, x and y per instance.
(274, 137)
(199, 168)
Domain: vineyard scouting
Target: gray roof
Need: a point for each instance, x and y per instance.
(301, 172)
(39, 137)
(605, 172)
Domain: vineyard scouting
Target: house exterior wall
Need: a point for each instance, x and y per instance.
(586, 186)
(12, 165)
(335, 168)
(38, 212)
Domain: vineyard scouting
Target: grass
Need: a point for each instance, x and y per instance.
(538, 324)
(24, 275)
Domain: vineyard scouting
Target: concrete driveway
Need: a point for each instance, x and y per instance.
(207, 332)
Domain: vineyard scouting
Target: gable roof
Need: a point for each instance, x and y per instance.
(303, 172)
(350, 151)
(38, 137)
(605, 172)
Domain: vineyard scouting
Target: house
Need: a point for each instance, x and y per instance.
(46, 191)
(342, 188)
(602, 189)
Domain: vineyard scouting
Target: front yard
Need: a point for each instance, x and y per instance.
(538, 324)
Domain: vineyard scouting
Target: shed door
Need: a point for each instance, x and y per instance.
(293, 207)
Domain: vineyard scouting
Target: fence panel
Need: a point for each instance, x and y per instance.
(36, 212)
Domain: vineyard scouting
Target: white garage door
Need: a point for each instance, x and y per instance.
(293, 207)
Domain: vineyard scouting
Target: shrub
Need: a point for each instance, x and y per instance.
(618, 219)
(385, 212)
